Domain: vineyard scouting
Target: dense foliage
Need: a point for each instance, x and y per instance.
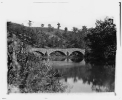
(48, 37)
(26, 71)
(101, 42)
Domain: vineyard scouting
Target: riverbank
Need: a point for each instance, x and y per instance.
(40, 78)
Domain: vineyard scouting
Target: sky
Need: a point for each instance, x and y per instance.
(69, 13)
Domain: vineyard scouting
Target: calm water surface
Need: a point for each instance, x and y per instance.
(82, 77)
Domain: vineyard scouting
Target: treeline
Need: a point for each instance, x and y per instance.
(99, 42)
(52, 38)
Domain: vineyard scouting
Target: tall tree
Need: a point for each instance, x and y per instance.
(49, 27)
(65, 29)
(29, 23)
(42, 25)
(58, 25)
(102, 39)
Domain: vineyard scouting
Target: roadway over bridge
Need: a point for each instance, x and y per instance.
(48, 51)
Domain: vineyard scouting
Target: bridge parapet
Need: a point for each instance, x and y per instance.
(65, 51)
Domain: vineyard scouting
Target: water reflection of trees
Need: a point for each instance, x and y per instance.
(101, 54)
(80, 72)
(100, 76)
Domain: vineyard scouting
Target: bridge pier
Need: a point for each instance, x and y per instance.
(46, 54)
(48, 59)
(67, 59)
(67, 54)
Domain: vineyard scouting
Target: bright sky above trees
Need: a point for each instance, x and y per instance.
(69, 13)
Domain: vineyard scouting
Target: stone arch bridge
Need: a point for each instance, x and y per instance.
(48, 51)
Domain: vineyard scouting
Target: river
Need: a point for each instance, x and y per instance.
(83, 77)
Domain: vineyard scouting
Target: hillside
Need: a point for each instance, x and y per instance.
(47, 37)
(37, 29)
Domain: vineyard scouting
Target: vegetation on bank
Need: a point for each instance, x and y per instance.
(25, 69)
(42, 38)
(28, 73)
(101, 41)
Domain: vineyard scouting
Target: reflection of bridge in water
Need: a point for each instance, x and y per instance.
(48, 51)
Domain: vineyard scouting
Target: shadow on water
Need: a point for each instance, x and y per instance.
(100, 78)
(93, 75)
(102, 72)
(89, 77)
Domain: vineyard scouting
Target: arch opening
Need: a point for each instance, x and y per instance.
(57, 56)
(76, 56)
(39, 53)
(57, 53)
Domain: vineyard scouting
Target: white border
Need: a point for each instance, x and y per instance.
(73, 96)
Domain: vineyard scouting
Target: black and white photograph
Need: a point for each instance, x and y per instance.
(61, 47)
(51, 56)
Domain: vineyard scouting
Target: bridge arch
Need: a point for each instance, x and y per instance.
(67, 51)
(39, 52)
(63, 53)
(76, 56)
(78, 53)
